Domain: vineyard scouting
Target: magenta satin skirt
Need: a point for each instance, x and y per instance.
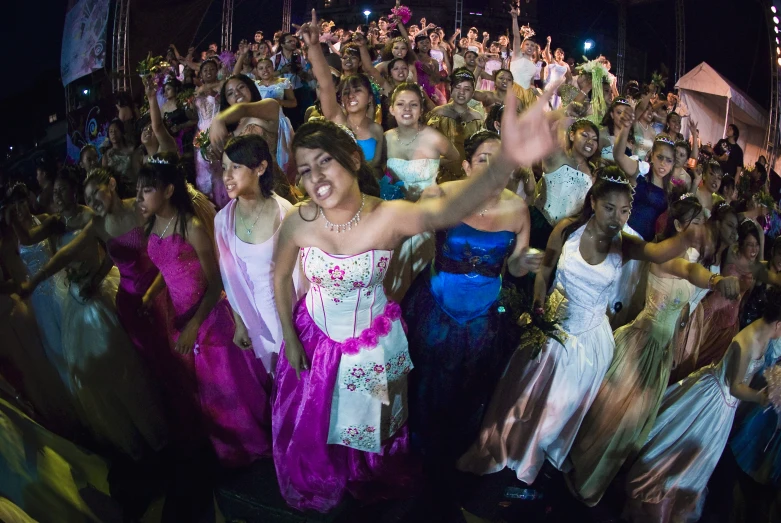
(233, 388)
(312, 474)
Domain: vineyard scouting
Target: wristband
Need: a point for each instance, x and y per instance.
(712, 281)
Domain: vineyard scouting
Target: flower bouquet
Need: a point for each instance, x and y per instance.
(202, 142)
(152, 66)
(530, 328)
(599, 75)
(773, 377)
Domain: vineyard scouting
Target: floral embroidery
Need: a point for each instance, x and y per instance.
(340, 278)
(361, 437)
(336, 274)
(358, 285)
(383, 263)
(365, 379)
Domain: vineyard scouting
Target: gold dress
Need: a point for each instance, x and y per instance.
(457, 131)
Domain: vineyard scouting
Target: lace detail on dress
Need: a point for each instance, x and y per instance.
(416, 174)
(564, 193)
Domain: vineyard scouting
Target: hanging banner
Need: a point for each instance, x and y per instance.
(84, 39)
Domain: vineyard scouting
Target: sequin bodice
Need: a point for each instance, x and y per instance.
(665, 298)
(129, 253)
(179, 264)
(561, 193)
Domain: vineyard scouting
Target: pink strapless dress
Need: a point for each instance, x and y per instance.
(148, 331)
(233, 386)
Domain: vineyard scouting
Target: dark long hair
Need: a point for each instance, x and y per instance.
(243, 78)
(474, 142)
(251, 150)
(605, 183)
(341, 146)
(747, 228)
(607, 120)
(683, 209)
(387, 51)
(163, 170)
(719, 213)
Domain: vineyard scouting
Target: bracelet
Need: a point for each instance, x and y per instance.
(584, 93)
(712, 282)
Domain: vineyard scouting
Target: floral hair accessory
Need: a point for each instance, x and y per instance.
(599, 74)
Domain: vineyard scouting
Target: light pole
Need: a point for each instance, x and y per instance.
(366, 14)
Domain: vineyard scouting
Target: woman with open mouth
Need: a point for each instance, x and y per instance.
(344, 376)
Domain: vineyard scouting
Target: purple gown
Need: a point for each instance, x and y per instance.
(233, 386)
(149, 333)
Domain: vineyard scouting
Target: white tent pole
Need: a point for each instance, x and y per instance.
(726, 120)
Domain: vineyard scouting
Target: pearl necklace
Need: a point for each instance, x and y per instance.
(339, 227)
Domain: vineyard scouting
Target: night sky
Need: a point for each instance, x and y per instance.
(729, 35)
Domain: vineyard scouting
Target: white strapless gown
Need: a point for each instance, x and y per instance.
(416, 252)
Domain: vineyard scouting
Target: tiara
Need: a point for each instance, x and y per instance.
(464, 75)
(615, 179)
(158, 160)
(665, 140)
(622, 101)
(687, 195)
(579, 121)
(347, 130)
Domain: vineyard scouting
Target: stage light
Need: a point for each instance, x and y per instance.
(775, 20)
(588, 45)
(775, 29)
(85, 92)
(10, 147)
(778, 50)
(366, 14)
(777, 42)
(773, 9)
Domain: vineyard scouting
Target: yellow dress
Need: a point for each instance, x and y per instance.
(457, 132)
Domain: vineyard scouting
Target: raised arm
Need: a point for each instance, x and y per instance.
(695, 139)
(368, 66)
(514, 13)
(242, 56)
(630, 166)
(63, 257)
(330, 107)
(164, 138)
(701, 277)
(525, 140)
(267, 109)
(636, 249)
(51, 224)
(546, 54)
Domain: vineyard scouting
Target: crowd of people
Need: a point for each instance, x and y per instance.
(388, 260)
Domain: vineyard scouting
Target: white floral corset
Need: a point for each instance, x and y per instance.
(416, 174)
(346, 292)
(563, 193)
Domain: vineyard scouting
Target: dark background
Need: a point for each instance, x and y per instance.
(731, 36)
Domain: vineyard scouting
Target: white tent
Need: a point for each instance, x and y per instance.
(713, 102)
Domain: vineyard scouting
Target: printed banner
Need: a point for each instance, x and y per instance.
(84, 39)
(88, 126)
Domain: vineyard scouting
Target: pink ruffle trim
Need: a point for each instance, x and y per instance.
(370, 337)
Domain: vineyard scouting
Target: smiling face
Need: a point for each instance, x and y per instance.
(406, 108)
(148, 137)
(503, 41)
(265, 70)
(98, 198)
(612, 211)
(749, 248)
(424, 45)
(209, 72)
(461, 93)
(241, 180)
(325, 180)
(528, 48)
(584, 141)
(399, 50)
(399, 72)
(503, 80)
(237, 92)
(350, 61)
(470, 58)
(355, 99)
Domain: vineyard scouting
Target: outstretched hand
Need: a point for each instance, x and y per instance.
(529, 137)
(310, 31)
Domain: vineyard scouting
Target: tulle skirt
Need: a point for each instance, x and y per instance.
(116, 396)
(539, 405)
(313, 474)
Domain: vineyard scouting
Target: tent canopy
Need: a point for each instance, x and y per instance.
(713, 102)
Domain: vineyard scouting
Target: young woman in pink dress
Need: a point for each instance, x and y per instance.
(232, 384)
(246, 232)
(339, 413)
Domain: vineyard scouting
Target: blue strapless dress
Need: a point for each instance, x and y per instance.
(757, 443)
(454, 328)
(649, 203)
